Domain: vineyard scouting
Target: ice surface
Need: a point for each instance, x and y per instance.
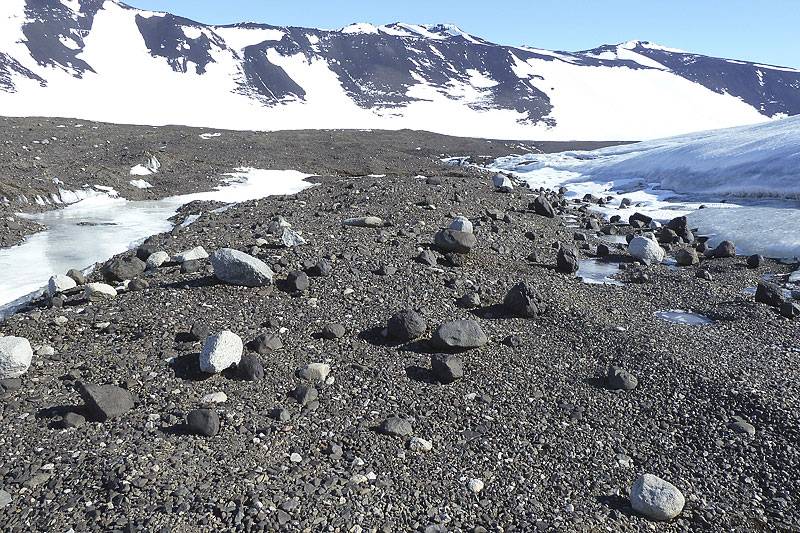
(596, 271)
(748, 178)
(677, 316)
(96, 228)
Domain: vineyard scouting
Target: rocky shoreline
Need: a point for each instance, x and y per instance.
(511, 397)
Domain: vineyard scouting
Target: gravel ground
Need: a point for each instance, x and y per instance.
(533, 418)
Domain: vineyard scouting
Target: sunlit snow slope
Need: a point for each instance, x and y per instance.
(103, 60)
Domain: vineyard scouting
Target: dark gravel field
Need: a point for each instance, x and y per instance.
(335, 417)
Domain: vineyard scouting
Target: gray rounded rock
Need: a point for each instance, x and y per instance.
(203, 422)
(621, 379)
(15, 357)
(646, 249)
(460, 334)
(406, 325)
(725, 249)
(220, 352)
(396, 427)
(238, 268)
(655, 498)
(524, 300)
(459, 242)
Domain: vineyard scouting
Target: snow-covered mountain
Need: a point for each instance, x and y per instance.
(104, 60)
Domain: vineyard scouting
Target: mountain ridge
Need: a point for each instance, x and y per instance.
(61, 58)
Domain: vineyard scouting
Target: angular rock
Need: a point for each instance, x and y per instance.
(333, 331)
(568, 259)
(72, 420)
(427, 257)
(265, 343)
(542, 206)
(15, 357)
(646, 249)
(790, 309)
(203, 422)
(250, 368)
(198, 332)
(755, 260)
(446, 367)
(60, 283)
(238, 268)
(220, 352)
(297, 281)
(769, 293)
(396, 427)
(314, 372)
(156, 259)
(363, 222)
(686, 257)
(642, 221)
(524, 300)
(725, 249)
(621, 379)
(655, 498)
(196, 253)
(740, 425)
(459, 242)
(280, 414)
(305, 394)
(5, 499)
(406, 325)
(320, 269)
(105, 401)
(502, 183)
(460, 334)
(138, 285)
(462, 224)
(290, 238)
(417, 444)
(121, 269)
(99, 291)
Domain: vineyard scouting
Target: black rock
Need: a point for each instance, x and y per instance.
(434, 180)
(524, 300)
(265, 343)
(77, 276)
(406, 325)
(138, 285)
(619, 378)
(769, 293)
(790, 309)
(667, 236)
(459, 242)
(396, 427)
(531, 236)
(297, 281)
(568, 259)
(642, 220)
(755, 260)
(145, 251)
(513, 341)
(120, 269)
(602, 250)
(541, 206)
(577, 236)
(203, 422)
(250, 368)
(321, 269)
(686, 257)
(305, 394)
(190, 266)
(105, 401)
(533, 257)
(427, 257)
(703, 274)
(333, 331)
(453, 259)
(446, 367)
(198, 332)
(725, 249)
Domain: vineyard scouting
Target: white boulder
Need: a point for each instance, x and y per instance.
(156, 259)
(655, 498)
(646, 249)
(221, 351)
(60, 283)
(15, 356)
(198, 252)
(97, 291)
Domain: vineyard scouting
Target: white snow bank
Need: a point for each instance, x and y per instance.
(140, 184)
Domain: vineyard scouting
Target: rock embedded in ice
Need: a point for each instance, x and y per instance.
(198, 252)
(646, 249)
(655, 498)
(541, 206)
(15, 357)
(156, 259)
(460, 334)
(568, 259)
(290, 238)
(460, 242)
(99, 291)
(238, 268)
(220, 352)
(462, 224)
(725, 249)
(363, 222)
(60, 283)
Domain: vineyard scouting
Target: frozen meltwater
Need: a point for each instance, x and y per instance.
(597, 271)
(677, 316)
(97, 228)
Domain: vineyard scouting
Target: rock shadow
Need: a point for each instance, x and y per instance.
(188, 367)
(617, 503)
(196, 283)
(420, 374)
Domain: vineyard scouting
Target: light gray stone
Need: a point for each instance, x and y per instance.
(99, 291)
(238, 268)
(646, 249)
(60, 283)
(314, 372)
(290, 238)
(655, 498)
(460, 334)
(15, 357)
(460, 223)
(502, 182)
(5, 499)
(155, 260)
(363, 222)
(198, 252)
(221, 351)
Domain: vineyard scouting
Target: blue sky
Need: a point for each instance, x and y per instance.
(763, 31)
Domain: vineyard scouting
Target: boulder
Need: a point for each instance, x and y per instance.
(790, 309)
(646, 250)
(541, 206)
(396, 427)
(77, 276)
(99, 291)
(220, 352)
(524, 300)
(638, 220)
(290, 238)
(250, 368)
(195, 254)
(238, 268)
(265, 343)
(621, 379)
(725, 249)
(502, 183)
(446, 367)
(60, 283)
(755, 260)
(427, 257)
(297, 281)
(156, 259)
(655, 498)
(105, 401)
(314, 372)
(769, 293)
(333, 331)
(15, 357)
(686, 257)
(568, 259)
(121, 269)
(462, 224)
(203, 422)
(406, 325)
(460, 242)
(460, 334)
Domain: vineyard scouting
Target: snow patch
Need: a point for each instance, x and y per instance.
(140, 184)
